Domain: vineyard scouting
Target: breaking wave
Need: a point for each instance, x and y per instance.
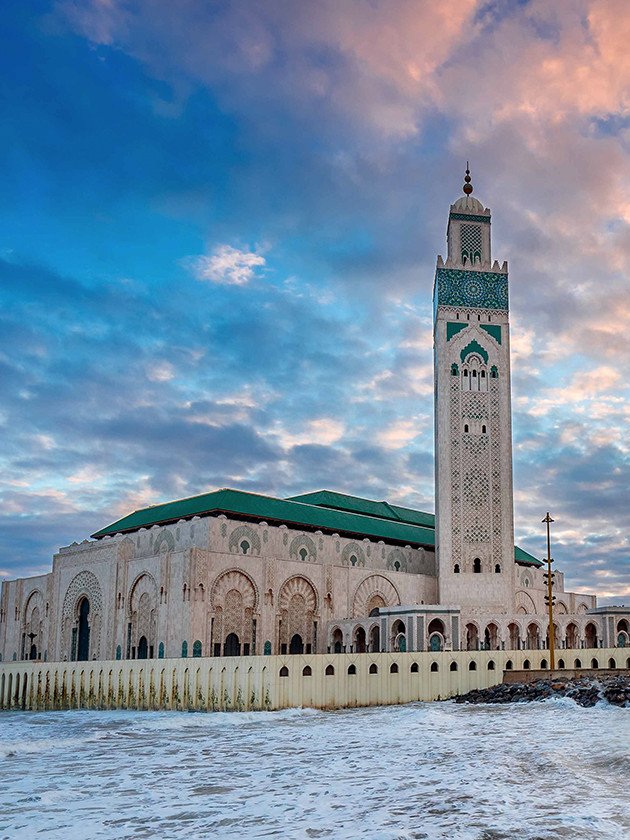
(420, 772)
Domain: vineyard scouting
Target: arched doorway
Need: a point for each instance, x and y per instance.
(472, 637)
(375, 639)
(337, 641)
(590, 635)
(83, 646)
(143, 648)
(435, 642)
(515, 636)
(232, 646)
(234, 600)
(297, 613)
(436, 634)
(296, 645)
(491, 637)
(398, 639)
(533, 637)
(359, 640)
(33, 652)
(571, 639)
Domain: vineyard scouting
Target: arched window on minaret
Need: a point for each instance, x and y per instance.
(494, 373)
(475, 375)
(454, 370)
(477, 565)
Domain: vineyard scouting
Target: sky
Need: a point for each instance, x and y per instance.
(219, 223)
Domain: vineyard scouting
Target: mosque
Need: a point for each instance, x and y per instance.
(230, 573)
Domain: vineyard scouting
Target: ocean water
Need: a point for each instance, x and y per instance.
(428, 770)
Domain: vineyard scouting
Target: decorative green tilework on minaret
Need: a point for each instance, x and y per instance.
(494, 330)
(453, 327)
(474, 289)
(474, 347)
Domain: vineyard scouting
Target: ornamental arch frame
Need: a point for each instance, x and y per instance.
(368, 587)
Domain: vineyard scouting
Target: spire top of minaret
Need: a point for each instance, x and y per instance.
(468, 188)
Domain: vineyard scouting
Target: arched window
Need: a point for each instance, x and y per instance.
(561, 664)
(472, 666)
(465, 428)
(474, 374)
(284, 671)
(304, 554)
(527, 665)
(577, 663)
(483, 430)
(497, 569)
(491, 665)
(453, 666)
(483, 374)
(477, 565)
(373, 668)
(414, 668)
(508, 665)
(245, 546)
(353, 559)
(118, 652)
(184, 650)
(397, 565)
(494, 373)
(352, 669)
(456, 568)
(465, 372)
(306, 671)
(594, 663)
(454, 370)
(543, 663)
(434, 667)
(196, 649)
(161, 650)
(393, 668)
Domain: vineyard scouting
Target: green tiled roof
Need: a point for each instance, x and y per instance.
(324, 509)
(273, 510)
(355, 504)
(523, 557)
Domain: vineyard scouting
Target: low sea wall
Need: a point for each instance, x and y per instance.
(323, 681)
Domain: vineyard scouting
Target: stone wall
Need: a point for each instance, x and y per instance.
(263, 682)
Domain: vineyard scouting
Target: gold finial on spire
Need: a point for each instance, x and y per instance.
(468, 188)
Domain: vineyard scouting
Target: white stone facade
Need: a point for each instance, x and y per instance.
(192, 584)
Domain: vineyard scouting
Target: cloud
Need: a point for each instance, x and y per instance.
(160, 371)
(226, 265)
(336, 132)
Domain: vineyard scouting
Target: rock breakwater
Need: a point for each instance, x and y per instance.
(586, 691)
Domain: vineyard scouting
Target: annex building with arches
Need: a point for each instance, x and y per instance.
(230, 573)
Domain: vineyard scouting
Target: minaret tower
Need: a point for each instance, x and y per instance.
(473, 418)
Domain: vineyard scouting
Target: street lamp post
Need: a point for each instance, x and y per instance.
(550, 597)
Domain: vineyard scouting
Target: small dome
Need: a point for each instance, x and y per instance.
(468, 204)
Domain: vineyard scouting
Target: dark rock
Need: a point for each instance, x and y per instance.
(585, 691)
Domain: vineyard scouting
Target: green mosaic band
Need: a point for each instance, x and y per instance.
(465, 217)
(472, 289)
